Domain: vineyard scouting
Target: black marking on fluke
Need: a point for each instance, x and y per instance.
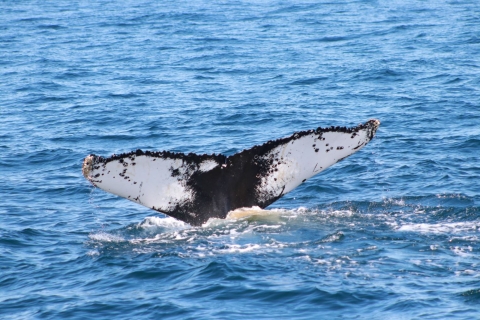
(209, 186)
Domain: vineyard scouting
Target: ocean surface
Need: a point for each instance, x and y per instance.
(391, 232)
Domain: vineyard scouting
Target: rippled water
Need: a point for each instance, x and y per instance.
(391, 232)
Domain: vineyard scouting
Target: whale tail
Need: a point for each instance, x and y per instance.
(194, 188)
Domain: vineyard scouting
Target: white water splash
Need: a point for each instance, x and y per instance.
(167, 222)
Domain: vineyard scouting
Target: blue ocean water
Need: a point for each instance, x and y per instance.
(392, 232)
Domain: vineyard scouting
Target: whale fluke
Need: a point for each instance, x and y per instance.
(194, 188)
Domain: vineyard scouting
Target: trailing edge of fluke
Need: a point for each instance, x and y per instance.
(194, 188)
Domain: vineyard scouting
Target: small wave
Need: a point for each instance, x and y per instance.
(339, 213)
(462, 251)
(463, 239)
(471, 295)
(472, 143)
(335, 38)
(234, 248)
(106, 237)
(306, 82)
(335, 237)
(454, 227)
(93, 253)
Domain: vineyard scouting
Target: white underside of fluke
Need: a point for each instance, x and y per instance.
(148, 180)
(307, 156)
(188, 187)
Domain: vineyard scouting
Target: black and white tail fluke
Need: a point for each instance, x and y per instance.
(194, 188)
